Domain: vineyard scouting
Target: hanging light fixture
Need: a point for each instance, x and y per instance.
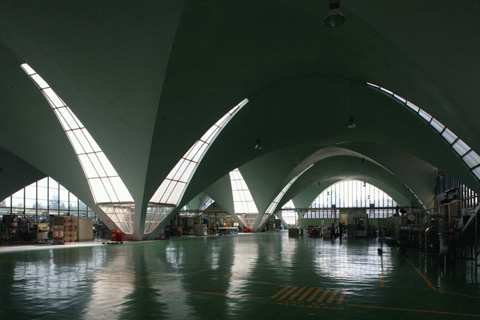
(351, 119)
(258, 146)
(335, 17)
(351, 123)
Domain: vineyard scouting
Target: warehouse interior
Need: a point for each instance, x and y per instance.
(312, 159)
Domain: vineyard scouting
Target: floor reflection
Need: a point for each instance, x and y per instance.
(233, 277)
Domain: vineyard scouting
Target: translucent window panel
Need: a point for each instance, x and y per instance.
(19, 194)
(274, 203)
(425, 115)
(110, 190)
(352, 196)
(52, 98)
(93, 144)
(176, 193)
(449, 136)
(386, 91)
(97, 165)
(184, 170)
(107, 166)
(31, 192)
(82, 205)
(160, 191)
(195, 151)
(42, 194)
(461, 147)
(99, 191)
(396, 96)
(203, 149)
(476, 171)
(120, 189)
(472, 159)
(437, 125)
(175, 173)
(63, 194)
(184, 165)
(208, 136)
(68, 118)
(188, 171)
(52, 184)
(39, 81)
(87, 166)
(413, 106)
(75, 143)
(28, 70)
(83, 140)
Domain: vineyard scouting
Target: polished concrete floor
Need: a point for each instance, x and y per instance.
(245, 276)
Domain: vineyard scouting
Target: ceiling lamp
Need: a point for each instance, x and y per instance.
(258, 146)
(351, 124)
(335, 17)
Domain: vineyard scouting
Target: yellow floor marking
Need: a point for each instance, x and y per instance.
(415, 310)
(305, 294)
(280, 292)
(458, 294)
(421, 274)
(288, 293)
(323, 295)
(201, 292)
(315, 294)
(297, 293)
(342, 296)
(333, 296)
(196, 272)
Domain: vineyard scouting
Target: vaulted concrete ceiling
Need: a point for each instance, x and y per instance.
(149, 78)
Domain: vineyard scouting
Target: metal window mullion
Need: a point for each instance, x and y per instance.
(105, 188)
(454, 141)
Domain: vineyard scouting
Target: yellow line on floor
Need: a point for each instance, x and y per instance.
(315, 294)
(415, 310)
(333, 296)
(323, 295)
(342, 296)
(458, 294)
(201, 292)
(288, 293)
(305, 294)
(280, 292)
(297, 293)
(421, 274)
(433, 287)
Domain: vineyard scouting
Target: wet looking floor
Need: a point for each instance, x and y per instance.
(246, 276)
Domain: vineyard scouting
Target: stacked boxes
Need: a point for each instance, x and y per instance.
(64, 230)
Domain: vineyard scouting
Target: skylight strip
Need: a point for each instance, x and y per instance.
(413, 106)
(425, 115)
(188, 170)
(472, 159)
(449, 136)
(437, 125)
(271, 208)
(469, 157)
(461, 147)
(242, 198)
(91, 157)
(403, 100)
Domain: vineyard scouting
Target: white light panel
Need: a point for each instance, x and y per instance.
(469, 157)
(105, 184)
(242, 199)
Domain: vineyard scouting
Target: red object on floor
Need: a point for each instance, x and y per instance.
(118, 235)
